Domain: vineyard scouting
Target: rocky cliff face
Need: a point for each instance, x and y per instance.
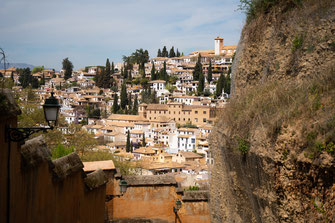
(274, 144)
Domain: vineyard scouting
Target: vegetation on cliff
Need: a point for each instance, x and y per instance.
(309, 106)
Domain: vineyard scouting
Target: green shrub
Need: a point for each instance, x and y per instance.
(61, 151)
(192, 188)
(297, 42)
(243, 145)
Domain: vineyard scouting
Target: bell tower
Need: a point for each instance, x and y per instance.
(218, 45)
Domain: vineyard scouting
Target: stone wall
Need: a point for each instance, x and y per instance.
(42, 190)
(152, 198)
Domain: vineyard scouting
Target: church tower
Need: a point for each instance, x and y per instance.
(218, 45)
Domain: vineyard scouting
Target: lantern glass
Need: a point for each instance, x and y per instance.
(123, 186)
(178, 204)
(51, 113)
(51, 109)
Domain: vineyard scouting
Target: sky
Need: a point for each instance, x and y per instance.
(44, 32)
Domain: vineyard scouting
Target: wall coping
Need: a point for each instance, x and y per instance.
(96, 179)
(200, 195)
(151, 180)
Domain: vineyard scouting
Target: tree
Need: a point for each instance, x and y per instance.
(159, 53)
(96, 113)
(144, 83)
(130, 104)
(226, 85)
(219, 85)
(201, 84)
(172, 53)
(115, 104)
(178, 53)
(197, 69)
(143, 140)
(25, 77)
(34, 83)
(37, 69)
(106, 75)
(67, 67)
(113, 68)
(135, 106)
(43, 80)
(61, 151)
(210, 72)
(124, 99)
(153, 72)
(128, 145)
(165, 52)
(162, 73)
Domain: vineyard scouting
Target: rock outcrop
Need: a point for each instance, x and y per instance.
(279, 166)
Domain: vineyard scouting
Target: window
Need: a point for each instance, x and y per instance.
(193, 140)
(196, 120)
(189, 119)
(204, 112)
(204, 120)
(196, 112)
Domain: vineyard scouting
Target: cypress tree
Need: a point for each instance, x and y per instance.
(165, 52)
(219, 85)
(106, 75)
(67, 66)
(135, 107)
(197, 69)
(115, 104)
(178, 53)
(143, 140)
(153, 72)
(201, 84)
(172, 53)
(159, 53)
(43, 80)
(124, 100)
(130, 104)
(165, 75)
(128, 145)
(113, 68)
(210, 72)
(226, 84)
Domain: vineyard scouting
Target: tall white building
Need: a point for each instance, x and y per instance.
(218, 45)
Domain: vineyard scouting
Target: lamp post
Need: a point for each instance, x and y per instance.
(123, 188)
(176, 209)
(51, 110)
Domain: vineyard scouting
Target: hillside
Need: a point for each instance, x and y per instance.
(274, 143)
(17, 65)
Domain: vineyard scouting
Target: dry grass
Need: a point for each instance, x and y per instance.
(275, 104)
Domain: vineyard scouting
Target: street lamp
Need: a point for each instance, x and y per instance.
(123, 188)
(51, 110)
(178, 206)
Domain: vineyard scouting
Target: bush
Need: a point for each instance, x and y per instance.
(61, 151)
(243, 146)
(297, 42)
